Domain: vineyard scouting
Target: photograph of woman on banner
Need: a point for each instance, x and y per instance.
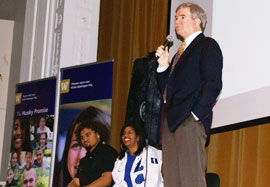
(138, 164)
(20, 143)
(43, 128)
(42, 143)
(73, 151)
(14, 165)
(20, 136)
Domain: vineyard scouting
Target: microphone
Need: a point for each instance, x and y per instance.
(169, 40)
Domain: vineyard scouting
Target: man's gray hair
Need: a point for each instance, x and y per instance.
(196, 12)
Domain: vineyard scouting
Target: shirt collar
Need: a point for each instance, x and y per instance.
(191, 37)
(95, 151)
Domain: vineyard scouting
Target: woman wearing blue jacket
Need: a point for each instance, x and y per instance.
(138, 165)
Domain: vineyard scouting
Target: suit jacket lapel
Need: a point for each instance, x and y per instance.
(189, 49)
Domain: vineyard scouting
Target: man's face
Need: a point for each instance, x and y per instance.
(89, 139)
(39, 155)
(18, 135)
(185, 25)
(28, 159)
(29, 178)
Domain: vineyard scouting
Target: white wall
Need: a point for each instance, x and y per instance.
(6, 36)
(80, 32)
(58, 34)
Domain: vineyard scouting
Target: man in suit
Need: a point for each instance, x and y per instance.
(190, 85)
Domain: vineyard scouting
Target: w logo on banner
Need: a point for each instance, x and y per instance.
(65, 85)
(18, 98)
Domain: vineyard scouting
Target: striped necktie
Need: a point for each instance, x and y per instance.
(177, 57)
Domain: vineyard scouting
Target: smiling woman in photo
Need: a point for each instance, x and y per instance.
(20, 136)
(42, 144)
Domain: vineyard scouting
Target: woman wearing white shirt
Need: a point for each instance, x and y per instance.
(137, 165)
(43, 128)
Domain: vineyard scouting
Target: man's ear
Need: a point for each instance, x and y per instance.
(198, 22)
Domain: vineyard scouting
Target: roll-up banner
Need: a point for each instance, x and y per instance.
(85, 94)
(32, 134)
